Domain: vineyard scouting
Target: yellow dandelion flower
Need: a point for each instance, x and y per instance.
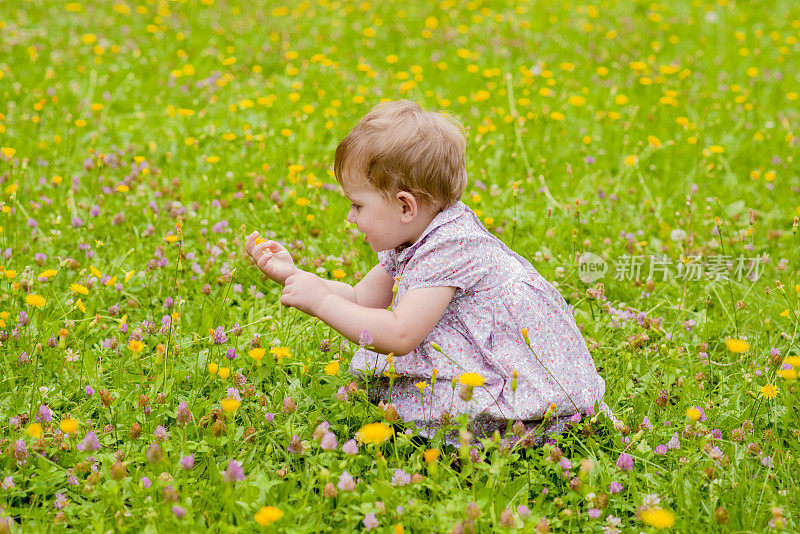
(230, 405)
(693, 414)
(80, 306)
(375, 433)
(737, 345)
(69, 426)
(471, 379)
(280, 352)
(332, 368)
(794, 361)
(77, 288)
(630, 161)
(35, 430)
(257, 354)
(421, 386)
(35, 301)
(431, 455)
(788, 374)
(268, 515)
(769, 391)
(136, 346)
(658, 517)
(224, 372)
(49, 273)
(213, 368)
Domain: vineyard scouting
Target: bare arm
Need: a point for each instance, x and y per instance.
(373, 291)
(400, 330)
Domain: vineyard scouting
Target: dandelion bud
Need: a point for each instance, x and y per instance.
(436, 347)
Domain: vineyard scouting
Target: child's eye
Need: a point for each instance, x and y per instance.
(355, 206)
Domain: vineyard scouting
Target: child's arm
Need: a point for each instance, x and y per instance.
(374, 291)
(399, 331)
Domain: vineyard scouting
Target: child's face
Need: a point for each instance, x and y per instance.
(377, 219)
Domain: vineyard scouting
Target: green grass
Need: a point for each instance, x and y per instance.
(605, 128)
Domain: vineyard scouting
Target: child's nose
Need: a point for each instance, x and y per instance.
(351, 216)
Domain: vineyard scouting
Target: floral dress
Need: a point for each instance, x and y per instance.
(498, 294)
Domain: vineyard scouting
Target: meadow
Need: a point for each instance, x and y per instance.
(642, 155)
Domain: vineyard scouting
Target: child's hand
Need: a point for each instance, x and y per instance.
(304, 291)
(273, 260)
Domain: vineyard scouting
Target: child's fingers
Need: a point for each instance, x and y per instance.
(259, 249)
(264, 260)
(251, 242)
(273, 246)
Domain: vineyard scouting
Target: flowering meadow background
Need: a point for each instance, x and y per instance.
(151, 381)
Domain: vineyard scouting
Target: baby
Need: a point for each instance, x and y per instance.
(465, 309)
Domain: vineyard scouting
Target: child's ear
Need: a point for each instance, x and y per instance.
(408, 205)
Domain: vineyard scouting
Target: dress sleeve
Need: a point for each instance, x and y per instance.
(388, 260)
(454, 261)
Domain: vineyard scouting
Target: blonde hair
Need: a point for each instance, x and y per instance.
(398, 146)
